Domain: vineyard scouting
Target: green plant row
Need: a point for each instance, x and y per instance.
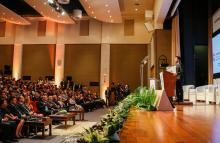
(142, 98)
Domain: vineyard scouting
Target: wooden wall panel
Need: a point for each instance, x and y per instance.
(42, 25)
(6, 55)
(38, 60)
(2, 29)
(125, 64)
(82, 62)
(84, 28)
(129, 27)
(162, 47)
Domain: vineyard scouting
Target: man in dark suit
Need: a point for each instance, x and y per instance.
(12, 107)
(8, 128)
(22, 107)
(43, 106)
(179, 90)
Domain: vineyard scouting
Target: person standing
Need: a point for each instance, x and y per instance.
(107, 94)
(179, 90)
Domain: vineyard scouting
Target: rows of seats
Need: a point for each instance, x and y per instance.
(206, 93)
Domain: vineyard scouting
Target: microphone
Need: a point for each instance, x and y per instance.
(144, 61)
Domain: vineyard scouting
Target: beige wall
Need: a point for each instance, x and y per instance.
(38, 60)
(6, 55)
(162, 47)
(70, 34)
(82, 62)
(125, 64)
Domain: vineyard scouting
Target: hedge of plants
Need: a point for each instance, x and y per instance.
(106, 130)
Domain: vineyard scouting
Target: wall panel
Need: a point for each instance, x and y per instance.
(38, 60)
(6, 55)
(125, 64)
(82, 62)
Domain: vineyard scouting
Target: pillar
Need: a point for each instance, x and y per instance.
(17, 61)
(105, 69)
(59, 63)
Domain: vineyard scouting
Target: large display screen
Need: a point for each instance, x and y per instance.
(216, 54)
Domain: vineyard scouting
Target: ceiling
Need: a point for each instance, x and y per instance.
(22, 8)
(103, 10)
(135, 7)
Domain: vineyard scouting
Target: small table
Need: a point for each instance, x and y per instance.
(42, 123)
(64, 117)
(80, 112)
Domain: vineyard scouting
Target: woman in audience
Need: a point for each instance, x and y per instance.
(12, 119)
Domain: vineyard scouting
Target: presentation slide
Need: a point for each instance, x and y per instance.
(216, 53)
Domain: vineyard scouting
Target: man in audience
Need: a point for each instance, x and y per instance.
(43, 106)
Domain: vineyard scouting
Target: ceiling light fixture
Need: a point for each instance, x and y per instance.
(136, 9)
(92, 12)
(108, 11)
(106, 5)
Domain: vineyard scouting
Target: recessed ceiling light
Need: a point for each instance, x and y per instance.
(89, 7)
(110, 16)
(34, 6)
(108, 11)
(45, 3)
(95, 17)
(106, 5)
(92, 12)
(136, 9)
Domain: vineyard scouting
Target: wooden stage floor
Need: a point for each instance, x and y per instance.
(188, 124)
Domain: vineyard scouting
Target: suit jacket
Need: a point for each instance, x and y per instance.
(44, 108)
(23, 109)
(15, 110)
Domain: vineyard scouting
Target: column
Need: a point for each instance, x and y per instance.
(59, 63)
(105, 69)
(17, 61)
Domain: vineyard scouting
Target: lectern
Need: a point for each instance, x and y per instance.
(169, 83)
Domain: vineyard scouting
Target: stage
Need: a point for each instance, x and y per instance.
(188, 124)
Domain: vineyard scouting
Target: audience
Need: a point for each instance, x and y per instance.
(21, 100)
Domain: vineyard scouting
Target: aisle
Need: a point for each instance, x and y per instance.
(59, 132)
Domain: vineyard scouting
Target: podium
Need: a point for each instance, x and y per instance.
(168, 83)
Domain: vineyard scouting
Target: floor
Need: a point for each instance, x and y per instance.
(187, 124)
(59, 132)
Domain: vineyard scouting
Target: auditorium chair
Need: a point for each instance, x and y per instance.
(211, 94)
(201, 93)
(186, 91)
(218, 94)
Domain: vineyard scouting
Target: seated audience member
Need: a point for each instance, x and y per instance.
(8, 129)
(29, 106)
(11, 119)
(72, 104)
(43, 106)
(13, 108)
(52, 105)
(23, 108)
